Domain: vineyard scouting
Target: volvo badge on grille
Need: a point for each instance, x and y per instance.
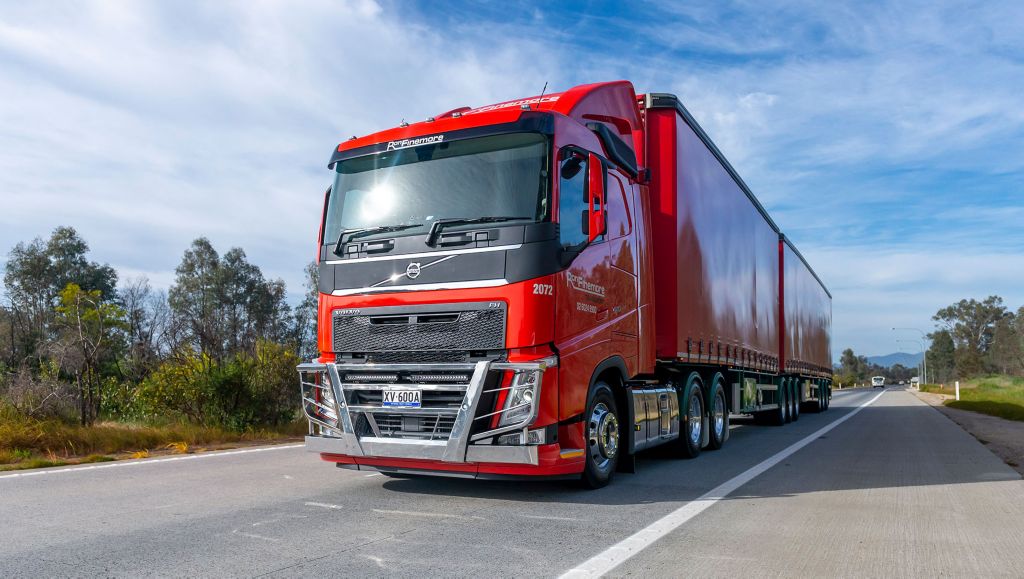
(413, 271)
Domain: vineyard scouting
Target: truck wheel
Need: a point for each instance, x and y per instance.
(780, 415)
(788, 401)
(719, 419)
(794, 408)
(691, 410)
(602, 430)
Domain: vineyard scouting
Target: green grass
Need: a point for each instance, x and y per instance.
(28, 443)
(1001, 396)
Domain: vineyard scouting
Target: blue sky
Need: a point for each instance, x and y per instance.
(884, 137)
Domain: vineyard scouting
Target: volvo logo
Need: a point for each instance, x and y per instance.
(412, 271)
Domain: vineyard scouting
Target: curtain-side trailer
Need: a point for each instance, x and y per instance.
(546, 287)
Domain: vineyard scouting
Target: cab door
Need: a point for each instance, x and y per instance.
(582, 333)
(583, 285)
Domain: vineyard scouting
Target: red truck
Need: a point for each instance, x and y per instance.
(547, 286)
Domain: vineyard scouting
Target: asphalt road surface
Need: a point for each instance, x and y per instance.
(895, 489)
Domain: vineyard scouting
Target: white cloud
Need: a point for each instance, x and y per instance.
(146, 125)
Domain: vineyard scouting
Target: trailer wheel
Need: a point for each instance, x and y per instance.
(691, 409)
(794, 408)
(718, 419)
(780, 415)
(788, 401)
(602, 430)
(827, 397)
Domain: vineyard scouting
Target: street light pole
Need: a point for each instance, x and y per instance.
(920, 344)
(924, 353)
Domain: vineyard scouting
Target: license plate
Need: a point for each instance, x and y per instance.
(401, 398)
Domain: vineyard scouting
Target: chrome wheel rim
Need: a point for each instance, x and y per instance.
(694, 423)
(603, 436)
(719, 415)
(784, 403)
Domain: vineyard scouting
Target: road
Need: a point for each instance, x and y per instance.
(894, 490)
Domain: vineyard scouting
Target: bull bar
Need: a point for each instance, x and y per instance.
(326, 404)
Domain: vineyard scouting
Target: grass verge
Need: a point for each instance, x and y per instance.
(27, 443)
(1001, 396)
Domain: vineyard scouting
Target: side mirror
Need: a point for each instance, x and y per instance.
(595, 198)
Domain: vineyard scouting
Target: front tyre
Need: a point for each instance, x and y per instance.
(602, 431)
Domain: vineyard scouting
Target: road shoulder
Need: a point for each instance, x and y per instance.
(1005, 438)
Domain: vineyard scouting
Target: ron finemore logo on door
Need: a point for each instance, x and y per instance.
(406, 143)
(585, 286)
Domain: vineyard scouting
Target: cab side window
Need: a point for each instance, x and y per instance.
(619, 223)
(572, 198)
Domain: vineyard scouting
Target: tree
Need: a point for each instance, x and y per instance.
(34, 277)
(306, 314)
(941, 356)
(223, 305)
(853, 368)
(89, 335)
(972, 325)
(194, 298)
(147, 318)
(1005, 353)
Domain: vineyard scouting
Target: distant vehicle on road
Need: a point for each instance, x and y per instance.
(915, 382)
(878, 381)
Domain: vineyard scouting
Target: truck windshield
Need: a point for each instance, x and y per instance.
(480, 177)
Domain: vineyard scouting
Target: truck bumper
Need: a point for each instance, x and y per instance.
(385, 448)
(345, 429)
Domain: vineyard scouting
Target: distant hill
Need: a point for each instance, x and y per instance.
(890, 360)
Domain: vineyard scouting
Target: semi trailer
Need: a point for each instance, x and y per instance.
(547, 286)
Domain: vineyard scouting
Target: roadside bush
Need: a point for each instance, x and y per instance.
(243, 392)
(39, 396)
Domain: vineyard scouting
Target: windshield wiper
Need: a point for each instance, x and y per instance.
(364, 231)
(436, 226)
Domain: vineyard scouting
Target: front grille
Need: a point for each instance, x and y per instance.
(400, 426)
(442, 393)
(421, 329)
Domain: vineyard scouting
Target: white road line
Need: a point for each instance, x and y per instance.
(422, 514)
(573, 519)
(324, 505)
(629, 547)
(255, 536)
(149, 461)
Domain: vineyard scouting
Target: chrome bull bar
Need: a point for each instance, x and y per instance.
(333, 419)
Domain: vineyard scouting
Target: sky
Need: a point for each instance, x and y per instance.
(885, 138)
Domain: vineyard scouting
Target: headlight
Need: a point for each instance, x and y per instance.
(327, 399)
(521, 398)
